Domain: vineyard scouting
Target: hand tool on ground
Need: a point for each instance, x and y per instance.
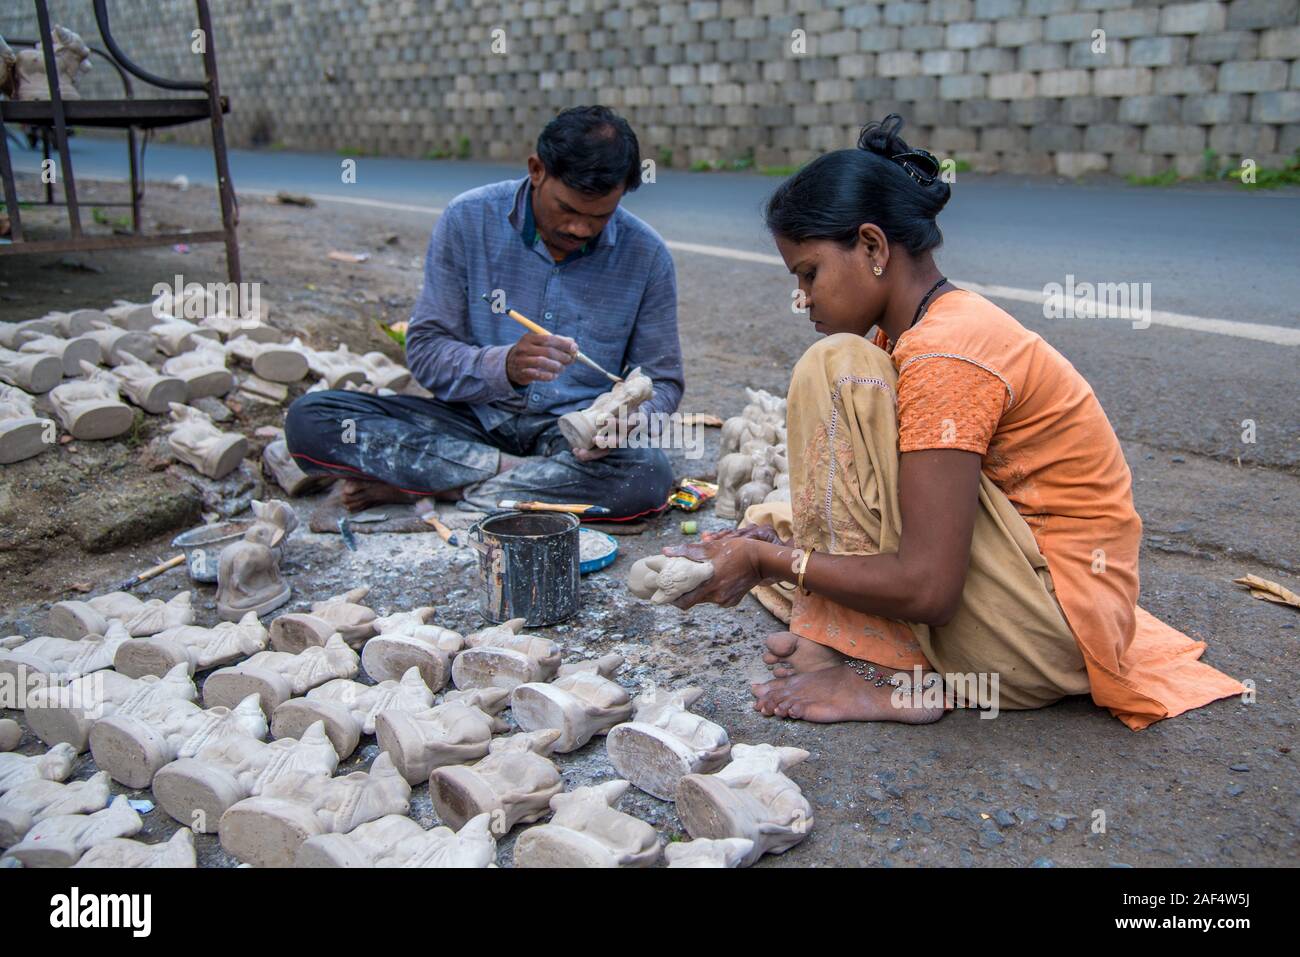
(543, 331)
(149, 573)
(445, 533)
(345, 531)
(552, 507)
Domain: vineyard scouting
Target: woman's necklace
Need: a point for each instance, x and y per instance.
(925, 301)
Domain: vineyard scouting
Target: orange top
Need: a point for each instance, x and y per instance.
(971, 377)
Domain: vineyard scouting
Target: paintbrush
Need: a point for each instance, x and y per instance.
(552, 507)
(527, 323)
(144, 576)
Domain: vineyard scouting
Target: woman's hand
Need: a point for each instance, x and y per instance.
(762, 533)
(735, 569)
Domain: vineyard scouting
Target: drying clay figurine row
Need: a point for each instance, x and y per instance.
(40, 661)
(276, 676)
(196, 441)
(54, 765)
(397, 841)
(117, 346)
(248, 570)
(175, 336)
(705, 852)
(268, 830)
(406, 640)
(122, 852)
(278, 465)
(343, 614)
(23, 433)
(580, 704)
(340, 367)
(501, 657)
(91, 407)
(132, 748)
(36, 374)
(61, 840)
(587, 831)
(662, 579)
(349, 709)
(581, 428)
(202, 369)
(197, 790)
(65, 713)
(33, 801)
(150, 390)
(192, 647)
(457, 731)
(70, 352)
(750, 798)
(77, 619)
(513, 784)
(664, 742)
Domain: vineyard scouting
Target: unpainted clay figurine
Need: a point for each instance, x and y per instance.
(198, 789)
(23, 433)
(343, 614)
(77, 619)
(54, 765)
(279, 466)
(33, 801)
(337, 367)
(40, 661)
(233, 327)
(514, 783)
(14, 334)
(248, 571)
(121, 852)
(71, 352)
(456, 731)
(66, 712)
(726, 852)
(406, 640)
(202, 369)
(36, 374)
(581, 705)
(397, 841)
(132, 748)
(71, 58)
(350, 709)
(174, 336)
(117, 346)
(11, 732)
(750, 798)
(137, 316)
(662, 579)
(147, 388)
(664, 741)
(587, 831)
(273, 361)
(268, 830)
(197, 442)
(384, 373)
(581, 428)
(78, 322)
(276, 676)
(501, 657)
(91, 408)
(196, 648)
(59, 841)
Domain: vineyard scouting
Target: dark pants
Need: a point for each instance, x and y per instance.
(425, 446)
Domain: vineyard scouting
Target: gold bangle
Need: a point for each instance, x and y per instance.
(803, 567)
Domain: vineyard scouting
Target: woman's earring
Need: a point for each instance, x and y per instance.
(875, 268)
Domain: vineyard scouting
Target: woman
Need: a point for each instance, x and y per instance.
(960, 505)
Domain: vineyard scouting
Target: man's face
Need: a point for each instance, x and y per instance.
(567, 219)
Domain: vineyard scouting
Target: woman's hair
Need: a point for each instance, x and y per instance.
(591, 149)
(884, 181)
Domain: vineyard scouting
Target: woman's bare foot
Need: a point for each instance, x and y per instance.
(358, 495)
(829, 695)
(790, 654)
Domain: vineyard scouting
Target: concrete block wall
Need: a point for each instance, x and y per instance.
(1041, 86)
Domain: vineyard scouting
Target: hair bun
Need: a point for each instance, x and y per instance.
(882, 138)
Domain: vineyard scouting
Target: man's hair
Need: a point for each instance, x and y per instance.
(591, 149)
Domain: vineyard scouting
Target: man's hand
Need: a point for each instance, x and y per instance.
(537, 358)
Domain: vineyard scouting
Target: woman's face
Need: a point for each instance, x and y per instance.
(840, 291)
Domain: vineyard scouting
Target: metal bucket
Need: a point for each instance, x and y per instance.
(528, 566)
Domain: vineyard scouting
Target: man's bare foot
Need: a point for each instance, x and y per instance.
(358, 495)
(789, 654)
(507, 462)
(837, 694)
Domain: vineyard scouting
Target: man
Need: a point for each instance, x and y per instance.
(556, 246)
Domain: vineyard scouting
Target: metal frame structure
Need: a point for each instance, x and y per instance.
(53, 117)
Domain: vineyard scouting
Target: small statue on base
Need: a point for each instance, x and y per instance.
(60, 841)
(23, 434)
(91, 408)
(197, 442)
(501, 657)
(664, 742)
(397, 841)
(456, 731)
(581, 428)
(248, 571)
(343, 614)
(196, 648)
(581, 704)
(587, 831)
(662, 579)
(406, 640)
(276, 676)
(121, 852)
(514, 783)
(350, 709)
(33, 801)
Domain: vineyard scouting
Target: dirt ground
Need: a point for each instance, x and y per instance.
(1217, 786)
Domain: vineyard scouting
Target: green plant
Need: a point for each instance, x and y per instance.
(778, 170)
(351, 151)
(1168, 178)
(961, 166)
(665, 156)
(135, 437)
(117, 222)
(463, 150)
(439, 153)
(1268, 178)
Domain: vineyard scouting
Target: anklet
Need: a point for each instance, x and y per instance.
(868, 672)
